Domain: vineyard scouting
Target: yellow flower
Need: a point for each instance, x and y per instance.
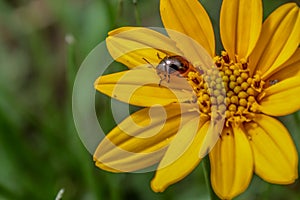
(260, 70)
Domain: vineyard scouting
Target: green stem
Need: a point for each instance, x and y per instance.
(71, 62)
(137, 13)
(120, 8)
(206, 170)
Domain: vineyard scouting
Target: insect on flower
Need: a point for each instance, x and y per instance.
(173, 66)
(254, 79)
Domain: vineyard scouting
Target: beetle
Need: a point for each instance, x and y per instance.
(172, 65)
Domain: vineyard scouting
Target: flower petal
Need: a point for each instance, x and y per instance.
(182, 155)
(231, 163)
(275, 154)
(190, 18)
(240, 26)
(288, 70)
(213, 134)
(131, 45)
(140, 86)
(279, 39)
(281, 98)
(141, 140)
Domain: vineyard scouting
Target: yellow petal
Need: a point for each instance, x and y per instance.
(190, 18)
(279, 39)
(140, 86)
(231, 164)
(240, 26)
(141, 140)
(275, 155)
(281, 98)
(212, 136)
(288, 70)
(182, 155)
(131, 45)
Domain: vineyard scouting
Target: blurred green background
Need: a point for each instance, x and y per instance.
(42, 44)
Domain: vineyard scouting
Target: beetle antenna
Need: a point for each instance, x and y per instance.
(148, 63)
(158, 56)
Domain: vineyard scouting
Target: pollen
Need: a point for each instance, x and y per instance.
(229, 89)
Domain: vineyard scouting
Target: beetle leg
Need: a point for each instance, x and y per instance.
(167, 69)
(159, 84)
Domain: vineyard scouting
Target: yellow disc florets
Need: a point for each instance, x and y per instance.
(228, 89)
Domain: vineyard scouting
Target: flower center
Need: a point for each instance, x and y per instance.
(228, 90)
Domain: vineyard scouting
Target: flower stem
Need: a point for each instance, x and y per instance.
(206, 170)
(136, 13)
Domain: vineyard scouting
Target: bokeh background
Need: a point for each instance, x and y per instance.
(42, 44)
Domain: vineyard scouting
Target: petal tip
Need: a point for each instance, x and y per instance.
(96, 83)
(105, 167)
(156, 186)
